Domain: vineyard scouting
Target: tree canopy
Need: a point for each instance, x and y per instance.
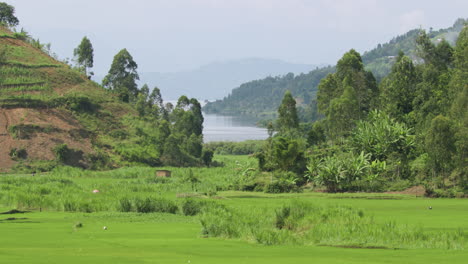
(287, 113)
(7, 15)
(122, 76)
(84, 54)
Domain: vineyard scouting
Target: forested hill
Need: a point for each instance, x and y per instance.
(261, 98)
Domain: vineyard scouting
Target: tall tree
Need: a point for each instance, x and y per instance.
(122, 76)
(398, 89)
(458, 91)
(155, 99)
(347, 95)
(187, 117)
(440, 145)
(7, 15)
(84, 54)
(287, 119)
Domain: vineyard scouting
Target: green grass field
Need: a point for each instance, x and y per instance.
(55, 236)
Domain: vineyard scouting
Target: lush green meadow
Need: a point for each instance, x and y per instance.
(66, 219)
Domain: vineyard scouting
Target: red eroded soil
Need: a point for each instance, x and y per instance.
(60, 129)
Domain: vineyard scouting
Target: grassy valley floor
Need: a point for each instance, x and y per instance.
(58, 229)
(53, 237)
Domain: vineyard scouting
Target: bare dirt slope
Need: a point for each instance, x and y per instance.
(50, 127)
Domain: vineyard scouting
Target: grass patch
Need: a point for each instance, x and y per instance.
(305, 223)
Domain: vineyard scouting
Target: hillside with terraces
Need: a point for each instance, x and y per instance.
(46, 106)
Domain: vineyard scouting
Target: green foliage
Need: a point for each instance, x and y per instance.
(287, 114)
(207, 157)
(187, 117)
(22, 35)
(316, 134)
(122, 76)
(3, 54)
(147, 205)
(191, 207)
(18, 153)
(261, 98)
(347, 95)
(27, 131)
(398, 89)
(84, 54)
(285, 182)
(62, 152)
(287, 154)
(381, 136)
(347, 172)
(299, 223)
(440, 144)
(160, 205)
(7, 15)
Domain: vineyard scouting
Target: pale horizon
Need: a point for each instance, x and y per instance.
(180, 35)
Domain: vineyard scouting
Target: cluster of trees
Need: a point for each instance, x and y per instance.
(411, 128)
(162, 133)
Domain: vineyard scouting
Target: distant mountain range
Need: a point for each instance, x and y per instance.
(216, 80)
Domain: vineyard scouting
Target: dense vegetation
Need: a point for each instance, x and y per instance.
(261, 98)
(410, 129)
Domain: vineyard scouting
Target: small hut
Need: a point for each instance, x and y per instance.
(163, 173)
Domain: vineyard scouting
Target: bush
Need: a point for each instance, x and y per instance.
(348, 172)
(61, 152)
(281, 187)
(19, 153)
(286, 182)
(69, 206)
(159, 205)
(125, 205)
(191, 207)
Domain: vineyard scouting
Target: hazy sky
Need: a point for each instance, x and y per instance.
(174, 35)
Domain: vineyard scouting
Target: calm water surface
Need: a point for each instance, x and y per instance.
(230, 128)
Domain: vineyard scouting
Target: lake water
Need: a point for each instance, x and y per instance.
(230, 128)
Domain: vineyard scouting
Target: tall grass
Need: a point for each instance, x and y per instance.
(71, 189)
(305, 223)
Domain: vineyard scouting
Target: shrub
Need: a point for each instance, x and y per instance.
(280, 186)
(61, 152)
(69, 206)
(125, 205)
(18, 153)
(287, 182)
(86, 207)
(191, 207)
(159, 205)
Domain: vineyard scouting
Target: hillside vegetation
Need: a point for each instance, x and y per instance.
(52, 114)
(261, 98)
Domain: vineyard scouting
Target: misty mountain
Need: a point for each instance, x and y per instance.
(261, 98)
(216, 80)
